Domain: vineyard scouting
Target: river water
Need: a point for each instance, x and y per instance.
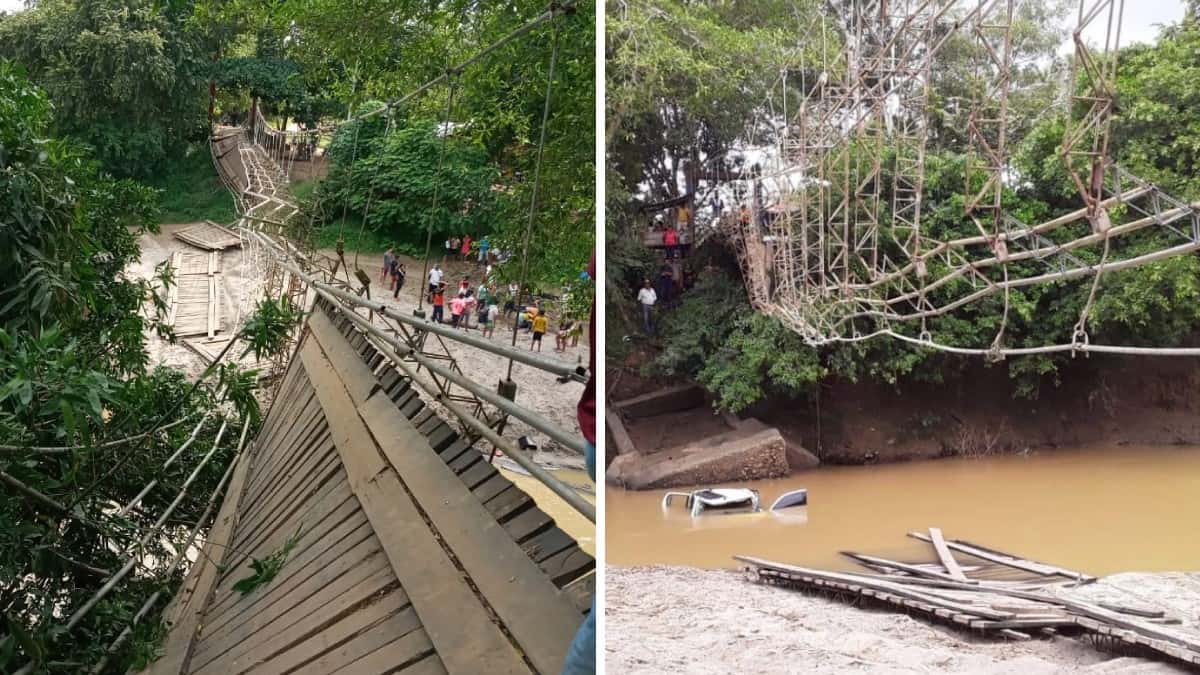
(1099, 511)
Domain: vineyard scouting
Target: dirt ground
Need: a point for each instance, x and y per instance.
(536, 389)
(684, 620)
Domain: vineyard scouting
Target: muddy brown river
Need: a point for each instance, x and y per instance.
(1100, 511)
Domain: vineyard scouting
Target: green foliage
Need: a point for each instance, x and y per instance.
(190, 189)
(268, 568)
(737, 354)
(394, 177)
(125, 76)
(266, 330)
(276, 81)
(73, 372)
(1155, 133)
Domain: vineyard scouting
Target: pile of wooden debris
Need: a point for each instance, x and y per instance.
(996, 593)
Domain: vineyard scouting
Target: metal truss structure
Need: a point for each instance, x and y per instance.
(842, 253)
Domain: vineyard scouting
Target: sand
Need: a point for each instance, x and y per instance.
(155, 249)
(684, 620)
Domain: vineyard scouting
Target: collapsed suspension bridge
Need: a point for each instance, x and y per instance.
(837, 244)
(404, 549)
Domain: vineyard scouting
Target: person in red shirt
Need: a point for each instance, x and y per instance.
(439, 303)
(671, 241)
(466, 246)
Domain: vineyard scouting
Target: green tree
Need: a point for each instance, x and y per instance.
(125, 76)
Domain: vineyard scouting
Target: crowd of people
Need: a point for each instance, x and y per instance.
(478, 306)
(665, 290)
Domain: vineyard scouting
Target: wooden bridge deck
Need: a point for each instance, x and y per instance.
(412, 554)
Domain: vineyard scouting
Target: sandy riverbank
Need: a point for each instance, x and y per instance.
(685, 620)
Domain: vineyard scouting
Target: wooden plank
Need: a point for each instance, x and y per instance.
(944, 554)
(190, 603)
(387, 659)
(320, 564)
(353, 636)
(567, 565)
(173, 293)
(302, 611)
(886, 586)
(532, 608)
(306, 619)
(912, 569)
(458, 625)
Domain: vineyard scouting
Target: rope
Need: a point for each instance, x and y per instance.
(371, 195)
(437, 184)
(537, 178)
(346, 203)
(1080, 333)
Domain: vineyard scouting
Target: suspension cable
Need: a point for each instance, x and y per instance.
(370, 196)
(537, 177)
(437, 184)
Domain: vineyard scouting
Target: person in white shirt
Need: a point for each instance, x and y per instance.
(435, 278)
(493, 311)
(646, 298)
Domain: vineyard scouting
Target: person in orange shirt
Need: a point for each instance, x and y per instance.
(439, 303)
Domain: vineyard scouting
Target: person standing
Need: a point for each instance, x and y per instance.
(492, 312)
(435, 280)
(398, 279)
(456, 309)
(671, 241)
(483, 249)
(581, 655)
(389, 259)
(540, 324)
(468, 309)
(439, 303)
(466, 246)
(646, 298)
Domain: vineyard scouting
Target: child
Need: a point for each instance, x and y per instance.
(456, 310)
(539, 329)
(398, 275)
(439, 303)
(565, 327)
(468, 310)
(492, 312)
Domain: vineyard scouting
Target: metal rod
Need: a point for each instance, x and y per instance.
(178, 558)
(553, 366)
(530, 417)
(568, 494)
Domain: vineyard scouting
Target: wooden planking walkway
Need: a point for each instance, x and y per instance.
(411, 553)
(209, 236)
(196, 297)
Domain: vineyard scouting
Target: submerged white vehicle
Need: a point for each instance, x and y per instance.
(732, 500)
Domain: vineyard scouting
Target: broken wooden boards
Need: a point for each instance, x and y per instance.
(411, 553)
(209, 236)
(195, 299)
(995, 593)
